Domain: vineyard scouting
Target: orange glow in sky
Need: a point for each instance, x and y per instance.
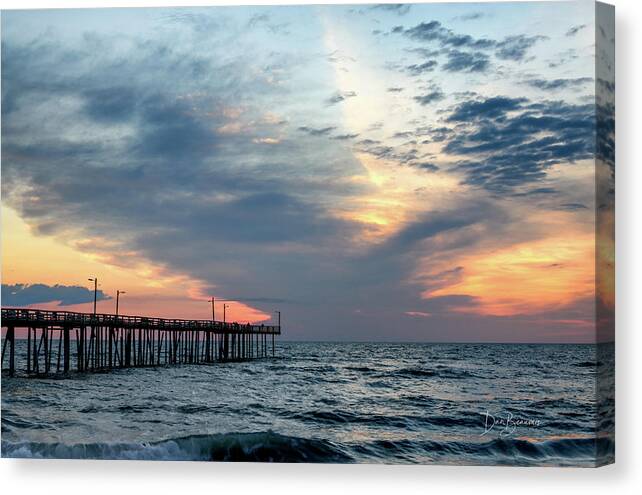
(151, 290)
(526, 278)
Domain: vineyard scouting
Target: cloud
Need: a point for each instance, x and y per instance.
(345, 137)
(257, 19)
(572, 206)
(340, 96)
(558, 84)
(564, 58)
(420, 314)
(575, 29)
(431, 97)
(434, 223)
(28, 294)
(266, 140)
(111, 104)
(424, 52)
(168, 129)
(323, 131)
(201, 24)
(607, 86)
(515, 47)
(472, 16)
(436, 134)
(459, 61)
(253, 299)
(426, 31)
(605, 123)
(536, 191)
(512, 141)
(397, 8)
(402, 134)
(448, 304)
(512, 48)
(493, 107)
(418, 69)
(435, 31)
(403, 154)
(263, 20)
(427, 166)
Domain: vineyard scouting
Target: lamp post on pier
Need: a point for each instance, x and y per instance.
(95, 281)
(213, 311)
(118, 293)
(225, 306)
(279, 324)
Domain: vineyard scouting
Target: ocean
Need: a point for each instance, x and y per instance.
(485, 404)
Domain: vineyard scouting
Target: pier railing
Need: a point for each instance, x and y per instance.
(21, 317)
(107, 341)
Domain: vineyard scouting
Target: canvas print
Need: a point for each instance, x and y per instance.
(375, 233)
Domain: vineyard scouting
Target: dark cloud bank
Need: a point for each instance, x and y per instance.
(462, 53)
(67, 295)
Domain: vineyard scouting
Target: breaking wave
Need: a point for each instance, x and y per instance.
(273, 447)
(232, 447)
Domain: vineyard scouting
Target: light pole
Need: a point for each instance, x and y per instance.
(118, 293)
(95, 281)
(225, 306)
(213, 312)
(279, 323)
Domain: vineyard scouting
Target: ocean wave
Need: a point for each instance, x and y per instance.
(409, 422)
(339, 417)
(556, 401)
(133, 408)
(90, 409)
(361, 369)
(408, 373)
(16, 423)
(415, 372)
(553, 451)
(461, 420)
(230, 447)
(500, 451)
(556, 451)
(192, 408)
(273, 447)
(588, 364)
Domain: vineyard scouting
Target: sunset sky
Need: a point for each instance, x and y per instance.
(375, 172)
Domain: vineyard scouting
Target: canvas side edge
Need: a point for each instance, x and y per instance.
(605, 232)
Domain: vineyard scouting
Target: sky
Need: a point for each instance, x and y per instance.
(397, 172)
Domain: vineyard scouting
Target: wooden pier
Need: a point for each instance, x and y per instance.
(64, 341)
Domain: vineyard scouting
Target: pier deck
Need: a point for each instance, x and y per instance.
(62, 341)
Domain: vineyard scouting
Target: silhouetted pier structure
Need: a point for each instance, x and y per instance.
(62, 341)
